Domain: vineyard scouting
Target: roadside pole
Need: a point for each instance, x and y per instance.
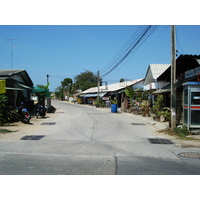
(98, 73)
(173, 79)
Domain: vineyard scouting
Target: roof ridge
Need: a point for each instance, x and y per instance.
(159, 64)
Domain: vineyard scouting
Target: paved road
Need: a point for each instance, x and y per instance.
(83, 140)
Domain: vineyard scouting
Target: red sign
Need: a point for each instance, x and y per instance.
(105, 98)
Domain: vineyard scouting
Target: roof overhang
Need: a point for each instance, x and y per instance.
(25, 87)
(161, 91)
(11, 88)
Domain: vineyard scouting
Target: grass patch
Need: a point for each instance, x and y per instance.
(5, 130)
(179, 132)
(182, 131)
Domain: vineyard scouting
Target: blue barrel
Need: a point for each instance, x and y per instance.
(114, 108)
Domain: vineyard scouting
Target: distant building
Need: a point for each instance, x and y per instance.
(18, 85)
(115, 90)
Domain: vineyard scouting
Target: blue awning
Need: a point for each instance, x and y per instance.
(101, 94)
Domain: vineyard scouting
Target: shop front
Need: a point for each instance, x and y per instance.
(191, 107)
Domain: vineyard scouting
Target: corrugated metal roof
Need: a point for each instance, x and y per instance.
(154, 71)
(10, 72)
(183, 63)
(113, 87)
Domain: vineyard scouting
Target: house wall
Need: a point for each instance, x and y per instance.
(11, 94)
(155, 86)
(151, 86)
(162, 84)
(26, 93)
(15, 97)
(138, 85)
(18, 78)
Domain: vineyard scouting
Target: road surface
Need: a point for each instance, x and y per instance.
(83, 140)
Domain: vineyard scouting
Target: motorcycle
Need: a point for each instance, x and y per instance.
(41, 111)
(24, 115)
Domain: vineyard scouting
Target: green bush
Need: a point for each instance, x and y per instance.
(158, 105)
(99, 103)
(7, 113)
(182, 131)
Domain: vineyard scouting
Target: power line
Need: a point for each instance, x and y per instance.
(133, 45)
(141, 34)
(124, 48)
(178, 41)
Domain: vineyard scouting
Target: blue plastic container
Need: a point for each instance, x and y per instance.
(114, 108)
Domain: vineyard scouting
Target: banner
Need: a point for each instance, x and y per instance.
(2, 86)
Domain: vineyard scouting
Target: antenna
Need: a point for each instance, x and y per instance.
(11, 47)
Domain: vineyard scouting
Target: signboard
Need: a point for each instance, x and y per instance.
(2, 86)
(192, 72)
(105, 98)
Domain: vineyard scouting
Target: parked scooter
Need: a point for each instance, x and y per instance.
(41, 111)
(24, 115)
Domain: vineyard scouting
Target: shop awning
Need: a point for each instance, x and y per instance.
(165, 89)
(160, 91)
(101, 94)
(45, 90)
(90, 95)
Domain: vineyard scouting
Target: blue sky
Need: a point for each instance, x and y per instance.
(64, 51)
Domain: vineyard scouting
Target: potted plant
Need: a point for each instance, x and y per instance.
(114, 101)
(166, 113)
(157, 107)
(135, 106)
(97, 104)
(144, 107)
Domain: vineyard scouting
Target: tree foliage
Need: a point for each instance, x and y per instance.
(85, 81)
(66, 82)
(129, 92)
(59, 92)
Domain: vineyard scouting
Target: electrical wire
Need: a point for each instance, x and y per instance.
(178, 41)
(129, 49)
(136, 40)
(124, 48)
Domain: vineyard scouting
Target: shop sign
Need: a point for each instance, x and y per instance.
(192, 72)
(105, 98)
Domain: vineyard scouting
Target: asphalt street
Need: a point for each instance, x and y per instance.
(84, 140)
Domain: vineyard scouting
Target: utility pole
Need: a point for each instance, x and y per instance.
(173, 78)
(98, 74)
(47, 78)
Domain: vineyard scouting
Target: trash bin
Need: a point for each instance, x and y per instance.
(114, 108)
